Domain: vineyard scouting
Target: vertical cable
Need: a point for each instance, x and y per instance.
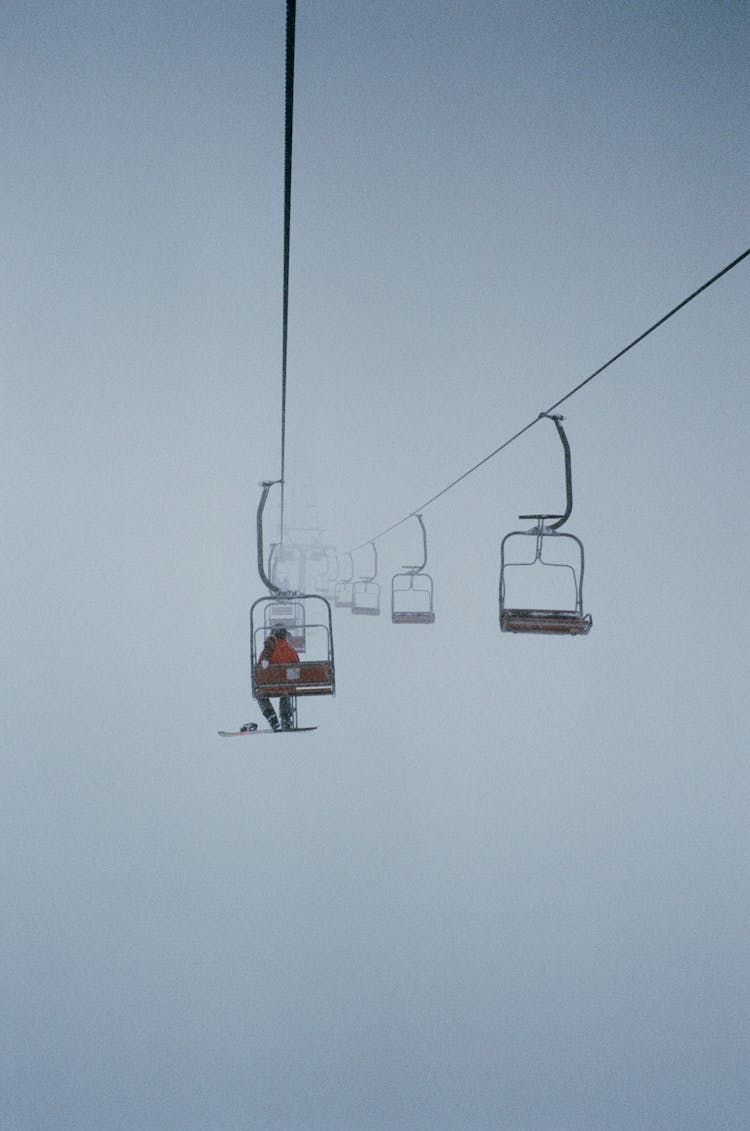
(291, 14)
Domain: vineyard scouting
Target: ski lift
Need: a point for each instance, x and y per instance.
(315, 675)
(366, 592)
(412, 591)
(567, 621)
(343, 592)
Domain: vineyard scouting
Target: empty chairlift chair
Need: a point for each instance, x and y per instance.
(412, 591)
(314, 561)
(566, 556)
(325, 583)
(342, 598)
(366, 592)
(291, 614)
(285, 611)
(285, 568)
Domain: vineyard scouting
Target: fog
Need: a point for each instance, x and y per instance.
(504, 885)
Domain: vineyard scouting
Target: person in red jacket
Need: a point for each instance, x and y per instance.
(278, 650)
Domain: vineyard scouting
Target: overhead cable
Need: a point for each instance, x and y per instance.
(291, 15)
(548, 411)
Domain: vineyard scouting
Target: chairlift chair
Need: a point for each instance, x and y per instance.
(366, 598)
(315, 675)
(412, 598)
(342, 598)
(366, 592)
(325, 583)
(412, 591)
(290, 613)
(285, 567)
(569, 621)
(313, 560)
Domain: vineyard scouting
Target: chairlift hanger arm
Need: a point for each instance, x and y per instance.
(274, 589)
(374, 562)
(557, 421)
(561, 518)
(419, 568)
(374, 574)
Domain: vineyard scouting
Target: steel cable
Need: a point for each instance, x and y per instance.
(291, 19)
(546, 412)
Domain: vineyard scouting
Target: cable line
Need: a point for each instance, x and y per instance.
(291, 19)
(550, 410)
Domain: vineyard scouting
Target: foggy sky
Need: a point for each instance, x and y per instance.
(504, 885)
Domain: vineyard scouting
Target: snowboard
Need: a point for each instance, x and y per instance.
(261, 730)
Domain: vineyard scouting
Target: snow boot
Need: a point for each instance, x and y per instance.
(272, 719)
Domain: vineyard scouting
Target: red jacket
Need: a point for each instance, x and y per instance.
(277, 651)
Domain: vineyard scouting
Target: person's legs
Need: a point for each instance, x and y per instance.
(286, 711)
(266, 707)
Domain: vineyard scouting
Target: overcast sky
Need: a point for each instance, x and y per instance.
(505, 884)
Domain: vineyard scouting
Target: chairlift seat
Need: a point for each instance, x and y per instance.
(343, 595)
(426, 616)
(366, 598)
(549, 622)
(308, 677)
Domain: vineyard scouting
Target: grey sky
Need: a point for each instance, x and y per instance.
(505, 884)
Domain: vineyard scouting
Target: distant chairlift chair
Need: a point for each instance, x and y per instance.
(325, 583)
(555, 622)
(291, 614)
(366, 592)
(342, 598)
(412, 591)
(285, 567)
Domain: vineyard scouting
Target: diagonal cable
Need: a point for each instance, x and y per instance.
(568, 395)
